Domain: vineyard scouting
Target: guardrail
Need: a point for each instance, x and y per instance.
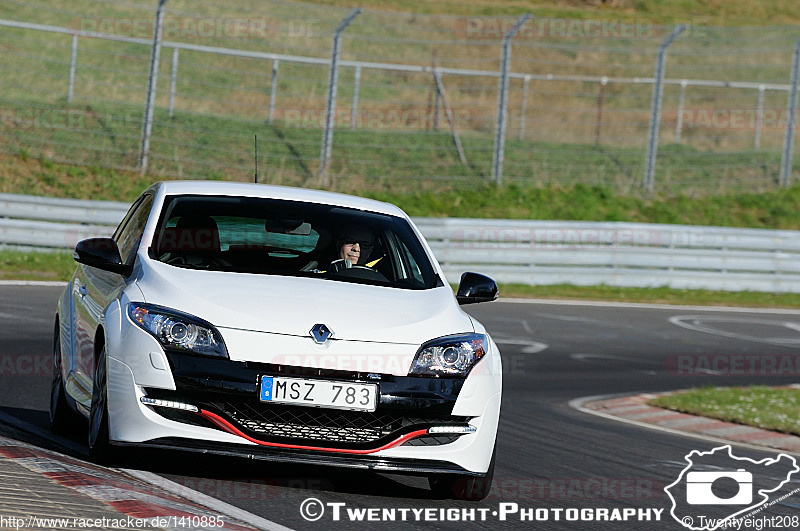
(511, 251)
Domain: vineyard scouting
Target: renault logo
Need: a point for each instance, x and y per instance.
(321, 333)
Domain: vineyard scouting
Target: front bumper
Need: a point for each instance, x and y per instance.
(393, 438)
(375, 463)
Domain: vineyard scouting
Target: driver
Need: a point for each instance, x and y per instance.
(355, 245)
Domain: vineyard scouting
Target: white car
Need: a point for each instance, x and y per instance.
(282, 324)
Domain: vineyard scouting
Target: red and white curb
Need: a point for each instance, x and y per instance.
(121, 493)
(636, 410)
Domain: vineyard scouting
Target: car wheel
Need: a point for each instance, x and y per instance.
(469, 488)
(61, 416)
(99, 446)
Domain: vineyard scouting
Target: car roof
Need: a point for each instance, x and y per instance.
(276, 192)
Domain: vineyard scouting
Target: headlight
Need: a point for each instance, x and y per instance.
(177, 330)
(449, 355)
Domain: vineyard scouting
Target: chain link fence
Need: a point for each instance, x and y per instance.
(417, 97)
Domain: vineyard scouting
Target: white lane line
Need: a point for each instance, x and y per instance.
(698, 323)
(531, 347)
(578, 404)
(19, 317)
(637, 364)
(148, 477)
(32, 283)
(726, 309)
(582, 356)
(212, 503)
(570, 318)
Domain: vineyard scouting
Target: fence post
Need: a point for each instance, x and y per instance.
(330, 104)
(173, 81)
(437, 76)
(437, 95)
(655, 108)
(679, 123)
(273, 89)
(791, 122)
(600, 98)
(500, 128)
(356, 88)
(759, 117)
(523, 107)
(147, 122)
(72, 63)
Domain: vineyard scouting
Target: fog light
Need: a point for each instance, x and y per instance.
(168, 403)
(452, 429)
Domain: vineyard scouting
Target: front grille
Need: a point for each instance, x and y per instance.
(433, 440)
(333, 428)
(325, 425)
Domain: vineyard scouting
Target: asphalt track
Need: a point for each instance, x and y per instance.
(550, 456)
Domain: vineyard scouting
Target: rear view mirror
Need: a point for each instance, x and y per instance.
(475, 287)
(101, 253)
(295, 227)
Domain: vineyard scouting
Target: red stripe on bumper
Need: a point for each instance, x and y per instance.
(230, 428)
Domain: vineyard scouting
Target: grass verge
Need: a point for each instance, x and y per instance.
(773, 209)
(722, 13)
(763, 407)
(59, 266)
(17, 265)
(700, 297)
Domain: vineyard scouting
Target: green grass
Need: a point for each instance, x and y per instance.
(16, 265)
(774, 209)
(214, 147)
(660, 295)
(221, 103)
(719, 12)
(59, 266)
(763, 407)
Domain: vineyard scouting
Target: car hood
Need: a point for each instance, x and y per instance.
(293, 305)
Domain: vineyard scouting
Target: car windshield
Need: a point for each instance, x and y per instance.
(280, 237)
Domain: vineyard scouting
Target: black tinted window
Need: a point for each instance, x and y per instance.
(130, 231)
(277, 237)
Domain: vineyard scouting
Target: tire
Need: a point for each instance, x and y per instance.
(100, 450)
(459, 487)
(61, 415)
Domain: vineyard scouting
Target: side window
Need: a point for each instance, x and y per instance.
(130, 233)
(126, 219)
(410, 268)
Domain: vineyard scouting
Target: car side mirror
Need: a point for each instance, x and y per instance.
(101, 253)
(475, 287)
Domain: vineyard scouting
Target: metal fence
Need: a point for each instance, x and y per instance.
(348, 98)
(512, 251)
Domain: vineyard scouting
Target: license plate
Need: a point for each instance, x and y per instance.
(319, 393)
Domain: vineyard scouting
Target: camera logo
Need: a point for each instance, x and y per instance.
(700, 487)
(717, 489)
